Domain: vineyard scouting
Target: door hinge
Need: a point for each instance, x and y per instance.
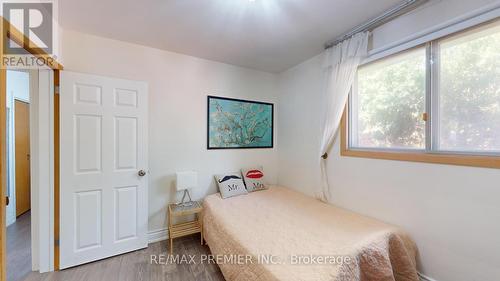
(56, 90)
(56, 242)
(7, 200)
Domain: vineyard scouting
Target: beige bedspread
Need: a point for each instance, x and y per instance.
(289, 236)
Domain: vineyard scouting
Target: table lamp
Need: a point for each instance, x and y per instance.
(184, 182)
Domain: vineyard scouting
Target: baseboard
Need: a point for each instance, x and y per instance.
(157, 235)
(425, 278)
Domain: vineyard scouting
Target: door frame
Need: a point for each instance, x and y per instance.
(52, 204)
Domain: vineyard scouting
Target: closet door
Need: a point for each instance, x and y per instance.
(22, 154)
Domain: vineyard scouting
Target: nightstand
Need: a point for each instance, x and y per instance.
(186, 228)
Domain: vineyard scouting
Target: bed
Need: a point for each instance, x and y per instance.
(280, 234)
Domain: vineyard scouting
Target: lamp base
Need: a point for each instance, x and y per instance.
(187, 203)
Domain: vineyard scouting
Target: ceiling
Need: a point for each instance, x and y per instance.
(268, 35)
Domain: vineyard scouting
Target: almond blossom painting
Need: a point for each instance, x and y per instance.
(234, 123)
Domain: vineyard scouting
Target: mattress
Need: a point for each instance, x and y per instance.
(280, 234)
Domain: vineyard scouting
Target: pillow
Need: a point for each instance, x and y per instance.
(230, 185)
(254, 179)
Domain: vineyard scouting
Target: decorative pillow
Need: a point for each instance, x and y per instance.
(230, 185)
(254, 179)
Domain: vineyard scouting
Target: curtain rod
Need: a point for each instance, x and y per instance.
(388, 15)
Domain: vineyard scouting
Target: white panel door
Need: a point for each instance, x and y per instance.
(103, 153)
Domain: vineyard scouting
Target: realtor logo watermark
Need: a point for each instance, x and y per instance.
(31, 30)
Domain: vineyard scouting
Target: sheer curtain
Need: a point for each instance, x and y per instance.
(340, 66)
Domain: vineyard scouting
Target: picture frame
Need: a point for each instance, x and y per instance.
(239, 124)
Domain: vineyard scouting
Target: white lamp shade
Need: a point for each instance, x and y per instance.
(186, 180)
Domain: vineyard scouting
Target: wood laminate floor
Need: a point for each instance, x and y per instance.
(19, 248)
(137, 266)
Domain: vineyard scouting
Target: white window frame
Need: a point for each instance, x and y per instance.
(431, 154)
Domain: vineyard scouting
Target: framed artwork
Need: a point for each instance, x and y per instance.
(235, 123)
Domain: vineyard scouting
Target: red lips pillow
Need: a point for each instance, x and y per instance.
(254, 178)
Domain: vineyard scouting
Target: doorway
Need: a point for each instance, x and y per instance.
(44, 157)
(19, 175)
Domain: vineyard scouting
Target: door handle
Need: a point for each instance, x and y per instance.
(141, 173)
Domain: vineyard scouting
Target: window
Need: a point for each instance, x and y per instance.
(432, 102)
(469, 91)
(389, 103)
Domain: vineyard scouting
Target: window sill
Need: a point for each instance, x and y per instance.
(482, 161)
(423, 157)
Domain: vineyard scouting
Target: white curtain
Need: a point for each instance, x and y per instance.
(340, 66)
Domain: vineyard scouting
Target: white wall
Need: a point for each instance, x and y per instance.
(300, 116)
(452, 212)
(432, 13)
(178, 89)
(17, 88)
